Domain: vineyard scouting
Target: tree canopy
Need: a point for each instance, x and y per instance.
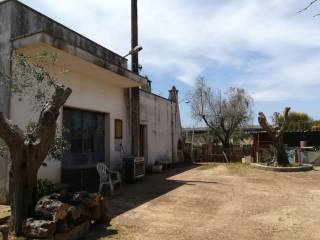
(222, 113)
(298, 121)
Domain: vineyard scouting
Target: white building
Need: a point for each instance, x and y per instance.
(98, 113)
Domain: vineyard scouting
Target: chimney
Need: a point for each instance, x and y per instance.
(173, 94)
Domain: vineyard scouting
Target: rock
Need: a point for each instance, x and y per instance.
(50, 209)
(38, 228)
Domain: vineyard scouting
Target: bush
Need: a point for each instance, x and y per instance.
(44, 187)
(267, 154)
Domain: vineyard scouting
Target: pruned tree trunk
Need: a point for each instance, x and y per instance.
(27, 155)
(276, 134)
(280, 152)
(22, 187)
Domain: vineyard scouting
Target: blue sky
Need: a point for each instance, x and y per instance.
(262, 46)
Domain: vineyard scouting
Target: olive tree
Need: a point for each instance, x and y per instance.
(276, 131)
(223, 114)
(30, 81)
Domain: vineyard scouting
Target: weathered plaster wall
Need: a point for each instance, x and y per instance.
(89, 93)
(162, 119)
(5, 55)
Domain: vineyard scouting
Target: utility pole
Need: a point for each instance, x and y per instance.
(134, 36)
(135, 92)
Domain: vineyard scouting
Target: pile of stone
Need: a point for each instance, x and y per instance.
(59, 216)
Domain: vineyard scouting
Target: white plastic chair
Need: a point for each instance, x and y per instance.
(108, 177)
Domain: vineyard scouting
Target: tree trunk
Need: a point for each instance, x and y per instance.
(280, 152)
(28, 153)
(226, 144)
(23, 182)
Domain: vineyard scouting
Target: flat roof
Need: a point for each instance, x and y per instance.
(32, 27)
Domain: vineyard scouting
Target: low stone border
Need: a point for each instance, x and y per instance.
(303, 168)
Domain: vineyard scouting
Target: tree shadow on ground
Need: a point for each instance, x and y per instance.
(135, 194)
(150, 187)
(100, 230)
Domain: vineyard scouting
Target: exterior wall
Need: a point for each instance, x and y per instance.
(90, 94)
(5, 55)
(162, 118)
(27, 21)
(19, 23)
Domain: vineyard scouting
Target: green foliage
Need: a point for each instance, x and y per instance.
(30, 78)
(237, 166)
(315, 125)
(4, 151)
(199, 138)
(57, 150)
(239, 136)
(44, 187)
(231, 166)
(60, 146)
(208, 166)
(267, 154)
(298, 121)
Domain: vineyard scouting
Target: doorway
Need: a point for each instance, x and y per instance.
(85, 132)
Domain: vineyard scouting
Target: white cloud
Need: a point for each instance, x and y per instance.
(274, 47)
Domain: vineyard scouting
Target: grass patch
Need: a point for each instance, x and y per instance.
(208, 166)
(231, 166)
(237, 166)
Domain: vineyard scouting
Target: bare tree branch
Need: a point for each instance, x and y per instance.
(212, 128)
(285, 121)
(45, 133)
(223, 115)
(9, 132)
(264, 123)
(307, 7)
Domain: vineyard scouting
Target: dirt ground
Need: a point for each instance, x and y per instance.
(216, 203)
(4, 213)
